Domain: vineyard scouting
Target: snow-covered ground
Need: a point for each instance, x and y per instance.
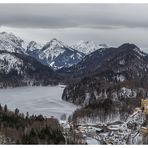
(37, 100)
(91, 141)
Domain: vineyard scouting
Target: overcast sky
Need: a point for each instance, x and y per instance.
(112, 24)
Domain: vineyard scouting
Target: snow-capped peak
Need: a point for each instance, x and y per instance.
(88, 47)
(10, 42)
(32, 46)
(11, 37)
(54, 43)
(52, 49)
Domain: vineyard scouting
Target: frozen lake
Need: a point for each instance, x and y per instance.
(37, 100)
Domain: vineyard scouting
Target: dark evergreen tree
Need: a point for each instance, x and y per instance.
(16, 111)
(5, 108)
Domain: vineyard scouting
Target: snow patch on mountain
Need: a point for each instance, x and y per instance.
(139, 52)
(122, 62)
(88, 47)
(127, 93)
(8, 62)
(120, 78)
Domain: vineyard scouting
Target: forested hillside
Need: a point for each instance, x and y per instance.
(17, 128)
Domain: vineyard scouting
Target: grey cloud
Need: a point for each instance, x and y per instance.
(108, 16)
(113, 24)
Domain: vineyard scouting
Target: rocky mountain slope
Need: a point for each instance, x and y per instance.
(19, 69)
(54, 53)
(95, 61)
(11, 43)
(114, 88)
(57, 55)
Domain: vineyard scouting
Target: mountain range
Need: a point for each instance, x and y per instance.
(21, 60)
(54, 53)
(74, 62)
(100, 59)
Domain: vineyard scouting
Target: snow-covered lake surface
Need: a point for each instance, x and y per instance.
(37, 100)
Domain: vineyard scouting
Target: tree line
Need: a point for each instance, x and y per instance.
(29, 129)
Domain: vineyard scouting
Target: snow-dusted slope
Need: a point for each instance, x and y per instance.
(20, 69)
(9, 62)
(33, 46)
(57, 55)
(11, 43)
(88, 47)
(52, 49)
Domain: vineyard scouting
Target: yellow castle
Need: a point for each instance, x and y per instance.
(144, 105)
